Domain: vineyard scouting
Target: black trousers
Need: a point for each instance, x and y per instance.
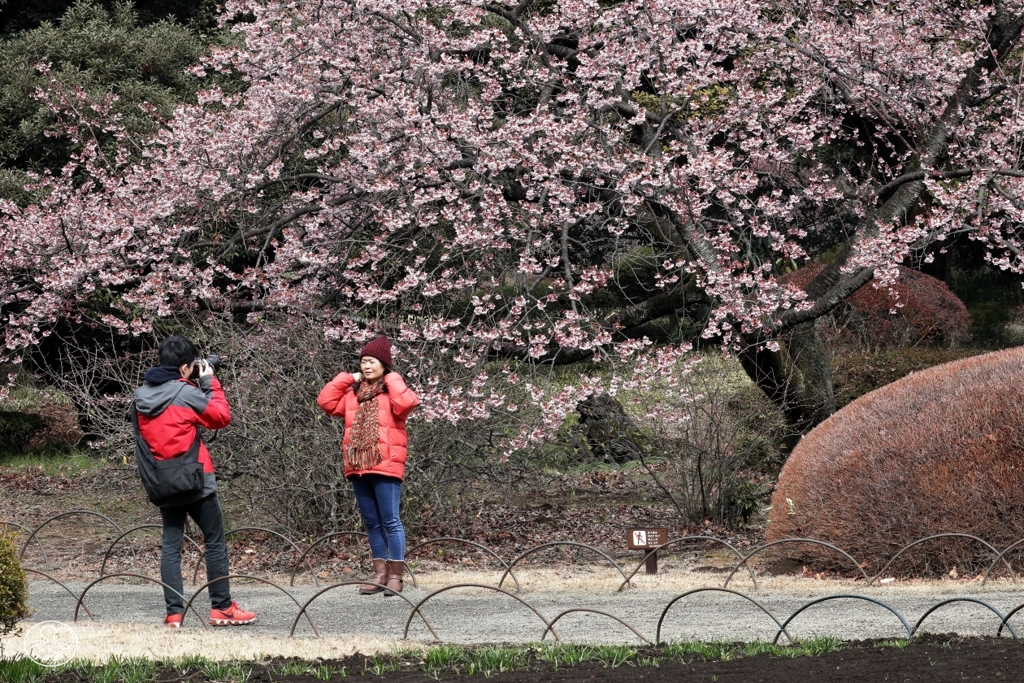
(207, 515)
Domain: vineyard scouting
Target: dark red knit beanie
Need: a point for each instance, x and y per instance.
(379, 348)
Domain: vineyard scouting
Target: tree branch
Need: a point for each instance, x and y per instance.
(828, 302)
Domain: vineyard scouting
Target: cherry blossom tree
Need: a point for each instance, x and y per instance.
(505, 186)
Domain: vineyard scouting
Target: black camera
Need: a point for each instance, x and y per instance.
(214, 361)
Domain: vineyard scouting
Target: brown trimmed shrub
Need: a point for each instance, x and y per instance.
(941, 450)
(929, 313)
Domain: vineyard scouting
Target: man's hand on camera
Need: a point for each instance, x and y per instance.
(205, 369)
(358, 376)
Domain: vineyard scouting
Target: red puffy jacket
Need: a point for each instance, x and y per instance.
(338, 398)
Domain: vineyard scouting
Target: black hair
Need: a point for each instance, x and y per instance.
(176, 351)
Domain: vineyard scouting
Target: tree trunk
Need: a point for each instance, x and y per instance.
(797, 377)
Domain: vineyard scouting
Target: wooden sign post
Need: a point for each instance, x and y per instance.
(647, 539)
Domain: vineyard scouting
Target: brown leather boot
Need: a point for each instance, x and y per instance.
(380, 575)
(395, 571)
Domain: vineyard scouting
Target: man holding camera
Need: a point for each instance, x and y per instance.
(178, 397)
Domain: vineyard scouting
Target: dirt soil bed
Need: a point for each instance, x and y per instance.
(936, 660)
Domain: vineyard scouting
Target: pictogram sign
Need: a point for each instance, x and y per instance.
(642, 539)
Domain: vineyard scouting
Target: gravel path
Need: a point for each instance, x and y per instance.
(481, 616)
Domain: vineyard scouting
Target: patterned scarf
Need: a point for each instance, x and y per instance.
(363, 450)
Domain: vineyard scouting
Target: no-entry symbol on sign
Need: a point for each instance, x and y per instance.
(644, 539)
(641, 539)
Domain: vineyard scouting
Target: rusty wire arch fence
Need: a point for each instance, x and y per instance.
(742, 563)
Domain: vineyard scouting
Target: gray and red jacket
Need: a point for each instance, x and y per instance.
(170, 409)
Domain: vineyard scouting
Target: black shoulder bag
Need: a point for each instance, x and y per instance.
(165, 481)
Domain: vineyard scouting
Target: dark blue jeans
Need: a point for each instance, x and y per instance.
(207, 516)
(378, 497)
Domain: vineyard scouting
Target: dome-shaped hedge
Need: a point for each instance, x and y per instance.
(927, 311)
(941, 450)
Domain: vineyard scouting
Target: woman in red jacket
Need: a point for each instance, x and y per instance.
(375, 403)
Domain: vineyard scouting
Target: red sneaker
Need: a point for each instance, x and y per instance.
(173, 621)
(232, 616)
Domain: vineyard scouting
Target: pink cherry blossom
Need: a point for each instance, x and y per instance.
(473, 178)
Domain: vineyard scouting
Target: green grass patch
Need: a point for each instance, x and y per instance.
(435, 663)
(491, 660)
(54, 462)
(235, 672)
(895, 644)
(186, 666)
(564, 655)
(723, 651)
(22, 671)
(126, 669)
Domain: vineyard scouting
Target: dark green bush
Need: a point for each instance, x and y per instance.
(744, 500)
(13, 587)
(16, 429)
(988, 322)
(856, 372)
